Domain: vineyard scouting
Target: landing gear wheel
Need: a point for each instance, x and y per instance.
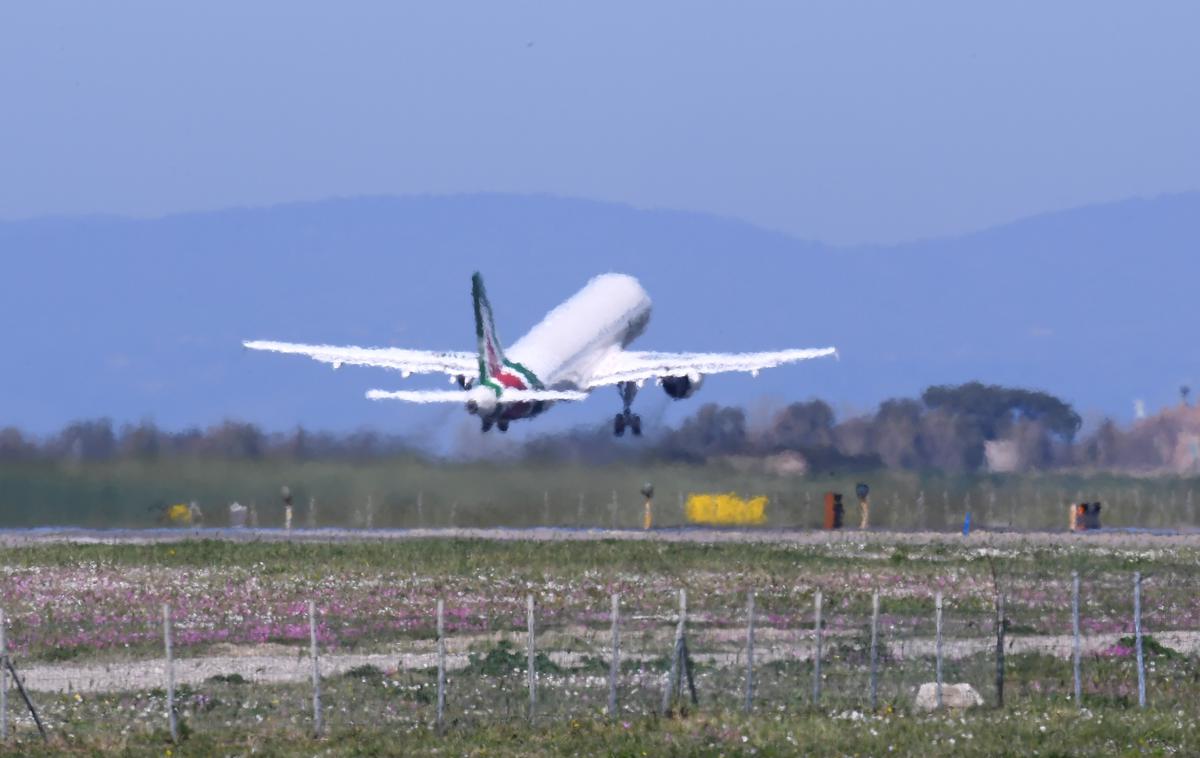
(502, 426)
(485, 425)
(626, 418)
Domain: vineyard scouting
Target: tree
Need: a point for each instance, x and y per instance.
(989, 411)
(950, 442)
(1102, 448)
(896, 434)
(1034, 449)
(1055, 415)
(15, 447)
(713, 430)
(86, 441)
(235, 440)
(143, 441)
(802, 425)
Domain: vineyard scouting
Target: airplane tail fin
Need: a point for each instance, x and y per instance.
(491, 352)
(495, 370)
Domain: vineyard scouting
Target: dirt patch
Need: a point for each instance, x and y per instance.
(255, 664)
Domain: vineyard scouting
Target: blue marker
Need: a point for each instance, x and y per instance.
(967, 524)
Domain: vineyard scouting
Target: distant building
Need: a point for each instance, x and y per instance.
(1003, 456)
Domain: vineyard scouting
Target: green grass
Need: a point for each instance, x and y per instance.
(1040, 727)
(409, 493)
(380, 710)
(538, 560)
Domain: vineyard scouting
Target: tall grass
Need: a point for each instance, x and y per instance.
(412, 493)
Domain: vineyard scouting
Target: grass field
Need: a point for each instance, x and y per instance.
(78, 607)
(412, 493)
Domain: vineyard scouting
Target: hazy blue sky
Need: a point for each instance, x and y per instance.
(838, 121)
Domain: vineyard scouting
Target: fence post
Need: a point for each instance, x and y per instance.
(1075, 633)
(8, 664)
(937, 604)
(685, 658)
(1000, 624)
(3, 679)
(749, 652)
(316, 667)
(817, 655)
(875, 650)
(614, 665)
(676, 654)
(441, 666)
(1137, 635)
(532, 670)
(170, 662)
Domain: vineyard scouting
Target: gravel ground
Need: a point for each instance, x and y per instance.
(273, 664)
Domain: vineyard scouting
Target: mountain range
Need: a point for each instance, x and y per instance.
(143, 318)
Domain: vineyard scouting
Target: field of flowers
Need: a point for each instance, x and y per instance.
(84, 628)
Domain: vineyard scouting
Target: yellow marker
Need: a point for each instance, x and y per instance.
(179, 514)
(648, 515)
(725, 509)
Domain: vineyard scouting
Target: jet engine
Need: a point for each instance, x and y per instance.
(680, 387)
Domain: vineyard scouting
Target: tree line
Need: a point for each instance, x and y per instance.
(961, 428)
(98, 441)
(947, 428)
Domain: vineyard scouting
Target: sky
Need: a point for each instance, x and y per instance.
(844, 122)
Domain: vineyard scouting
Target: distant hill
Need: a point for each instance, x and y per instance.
(144, 318)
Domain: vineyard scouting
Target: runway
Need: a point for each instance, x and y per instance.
(687, 535)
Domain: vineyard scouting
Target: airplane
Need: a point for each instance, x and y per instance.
(578, 347)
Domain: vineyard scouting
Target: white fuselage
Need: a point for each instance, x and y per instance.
(574, 338)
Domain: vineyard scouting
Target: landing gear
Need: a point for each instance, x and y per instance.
(485, 425)
(627, 419)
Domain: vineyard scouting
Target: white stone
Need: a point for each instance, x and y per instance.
(960, 695)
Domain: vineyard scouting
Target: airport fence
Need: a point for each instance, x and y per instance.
(543, 655)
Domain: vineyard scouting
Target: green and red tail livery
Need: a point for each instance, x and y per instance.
(495, 370)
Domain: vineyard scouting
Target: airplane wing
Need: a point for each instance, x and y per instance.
(397, 359)
(635, 366)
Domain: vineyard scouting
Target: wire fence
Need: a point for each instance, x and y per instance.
(907, 503)
(542, 657)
